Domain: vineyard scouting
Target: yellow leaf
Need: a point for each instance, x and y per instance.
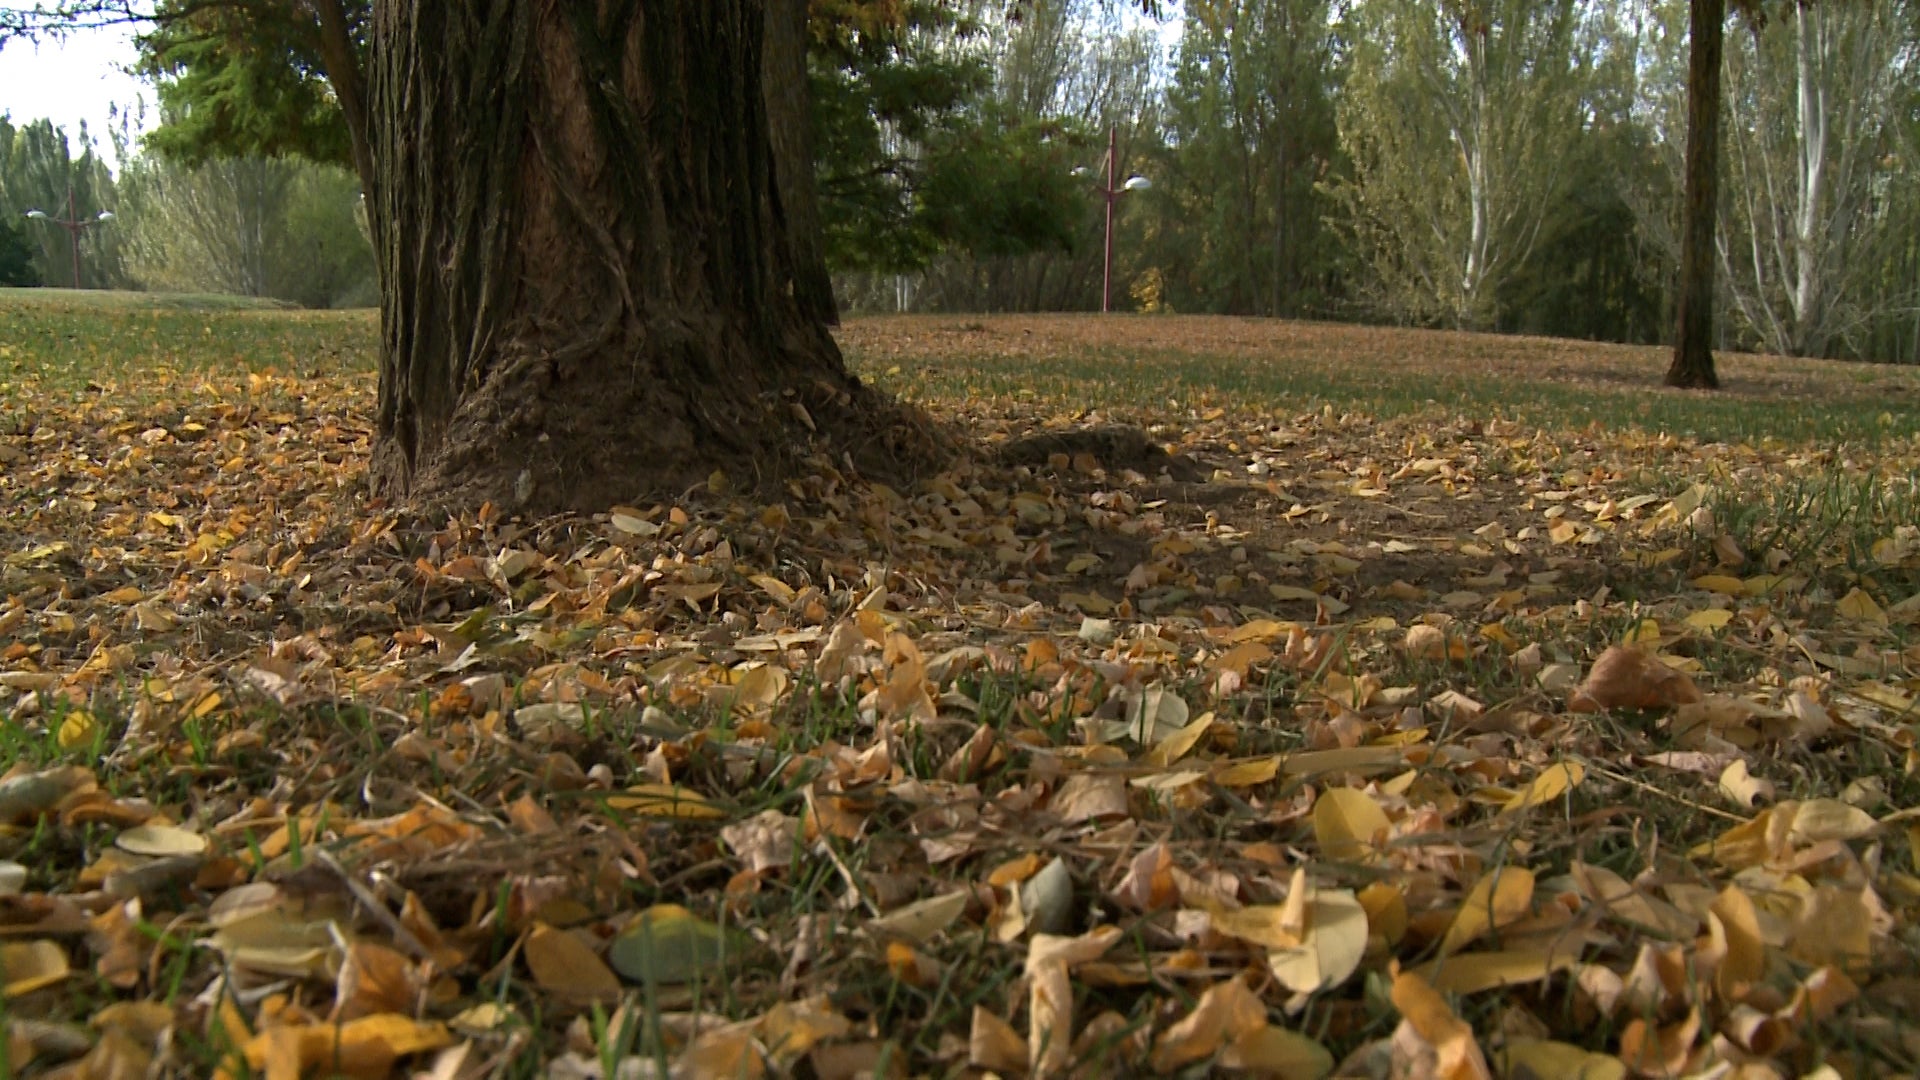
(1471, 973)
(1386, 908)
(1829, 819)
(791, 1029)
(922, 919)
(667, 944)
(1456, 1056)
(1277, 1052)
(1709, 620)
(1335, 941)
(1247, 773)
(1543, 1058)
(632, 522)
(1502, 897)
(666, 801)
(27, 966)
(160, 841)
(563, 964)
(911, 966)
(1358, 759)
(1348, 824)
(1259, 630)
(364, 1047)
(1860, 607)
(1724, 584)
(1552, 783)
(1225, 1012)
(1501, 636)
(77, 730)
(1090, 602)
(1241, 657)
(993, 1045)
(781, 592)
(1260, 924)
(1746, 844)
(1738, 925)
(1741, 787)
(1179, 743)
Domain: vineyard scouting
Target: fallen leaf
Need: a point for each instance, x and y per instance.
(1629, 678)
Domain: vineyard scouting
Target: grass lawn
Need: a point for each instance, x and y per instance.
(1250, 696)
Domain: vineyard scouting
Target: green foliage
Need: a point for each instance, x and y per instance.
(912, 157)
(264, 227)
(38, 169)
(1458, 118)
(1251, 130)
(244, 79)
(1595, 272)
(16, 255)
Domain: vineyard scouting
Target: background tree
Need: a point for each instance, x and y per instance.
(1812, 139)
(1595, 272)
(1065, 72)
(1692, 365)
(16, 256)
(1251, 137)
(1459, 116)
(587, 286)
(267, 227)
(913, 157)
(249, 80)
(37, 171)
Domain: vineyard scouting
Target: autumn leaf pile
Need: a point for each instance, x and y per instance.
(1431, 747)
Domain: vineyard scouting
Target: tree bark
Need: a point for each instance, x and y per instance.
(587, 280)
(337, 56)
(790, 122)
(1693, 343)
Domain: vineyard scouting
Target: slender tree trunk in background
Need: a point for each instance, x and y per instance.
(587, 288)
(347, 80)
(1693, 344)
(790, 122)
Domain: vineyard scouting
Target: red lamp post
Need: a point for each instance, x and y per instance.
(75, 225)
(1135, 182)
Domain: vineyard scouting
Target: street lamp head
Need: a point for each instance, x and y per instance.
(37, 215)
(1137, 183)
(105, 215)
(1082, 171)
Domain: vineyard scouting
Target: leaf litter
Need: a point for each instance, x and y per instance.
(1331, 745)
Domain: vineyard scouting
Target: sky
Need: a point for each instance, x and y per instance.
(79, 78)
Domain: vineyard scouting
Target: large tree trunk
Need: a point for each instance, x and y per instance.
(1693, 346)
(588, 292)
(790, 121)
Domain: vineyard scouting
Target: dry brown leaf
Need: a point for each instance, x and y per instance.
(1625, 677)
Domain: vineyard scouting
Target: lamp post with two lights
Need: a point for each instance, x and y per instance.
(1112, 192)
(75, 225)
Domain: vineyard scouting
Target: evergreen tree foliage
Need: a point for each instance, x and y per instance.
(1251, 133)
(913, 157)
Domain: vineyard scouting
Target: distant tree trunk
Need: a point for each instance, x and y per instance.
(344, 75)
(790, 121)
(1693, 345)
(588, 293)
